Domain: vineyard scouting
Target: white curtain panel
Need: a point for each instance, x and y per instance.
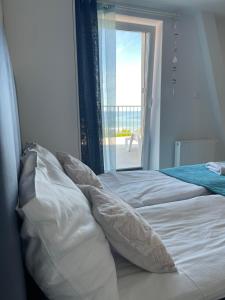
(107, 62)
(148, 101)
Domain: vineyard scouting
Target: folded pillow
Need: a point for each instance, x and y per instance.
(65, 249)
(128, 232)
(78, 171)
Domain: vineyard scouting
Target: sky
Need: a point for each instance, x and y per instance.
(128, 68)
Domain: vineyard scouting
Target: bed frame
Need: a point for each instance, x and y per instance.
(15, 283)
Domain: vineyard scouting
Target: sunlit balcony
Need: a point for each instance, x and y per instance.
(128, 122)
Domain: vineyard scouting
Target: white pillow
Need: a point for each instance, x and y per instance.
(44, 155)
(77, 170)
(65, 249)
(128, 232)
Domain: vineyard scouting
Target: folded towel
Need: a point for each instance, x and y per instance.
(216, 167)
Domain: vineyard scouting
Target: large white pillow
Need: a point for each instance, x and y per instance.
(128, 232)
(78, 171)
(44, 156)
(65, 249)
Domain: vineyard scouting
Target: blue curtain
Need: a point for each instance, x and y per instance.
(89, 84)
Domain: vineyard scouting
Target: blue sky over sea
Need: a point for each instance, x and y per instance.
(128, 68)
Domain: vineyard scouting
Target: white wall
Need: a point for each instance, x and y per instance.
(214, 71)
(40, 37)
(188, 114)
(220, 21)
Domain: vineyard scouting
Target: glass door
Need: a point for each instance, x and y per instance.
(132, 64)
(127, 58)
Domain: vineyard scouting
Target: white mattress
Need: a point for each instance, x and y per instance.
(194, 233)
(144, 188)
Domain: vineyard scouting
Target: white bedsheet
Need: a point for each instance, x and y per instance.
(144, 188)
(194, 233)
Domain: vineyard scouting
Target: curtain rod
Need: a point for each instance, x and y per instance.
(138, 9)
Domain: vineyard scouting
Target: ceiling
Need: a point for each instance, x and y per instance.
(216, 6)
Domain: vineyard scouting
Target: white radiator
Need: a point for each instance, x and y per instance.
(189, 152)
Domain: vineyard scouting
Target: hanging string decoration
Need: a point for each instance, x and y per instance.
(175, 61)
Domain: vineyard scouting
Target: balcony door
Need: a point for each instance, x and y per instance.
(134, 59)
(127, 67)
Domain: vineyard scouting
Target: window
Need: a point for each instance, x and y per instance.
(128, 98)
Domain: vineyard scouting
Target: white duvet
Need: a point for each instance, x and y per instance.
(194, 233)
(144, 188)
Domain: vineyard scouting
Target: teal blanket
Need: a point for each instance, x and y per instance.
(199, 175)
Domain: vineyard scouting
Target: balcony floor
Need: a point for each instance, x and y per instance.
(124, 158)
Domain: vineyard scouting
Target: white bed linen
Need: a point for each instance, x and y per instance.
(194, 233)
(144, 188)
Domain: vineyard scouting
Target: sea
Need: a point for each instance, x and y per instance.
(129, 120)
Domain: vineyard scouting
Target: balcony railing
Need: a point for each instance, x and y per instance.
(125, 119)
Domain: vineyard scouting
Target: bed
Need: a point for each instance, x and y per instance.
(145, 188)
(193, 230)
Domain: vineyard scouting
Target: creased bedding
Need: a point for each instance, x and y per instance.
(144, 188)
(194, 233)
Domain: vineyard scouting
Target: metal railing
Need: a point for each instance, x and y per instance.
(123, 118)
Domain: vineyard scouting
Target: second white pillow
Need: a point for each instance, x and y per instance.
(77, 170)
(128, 232)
